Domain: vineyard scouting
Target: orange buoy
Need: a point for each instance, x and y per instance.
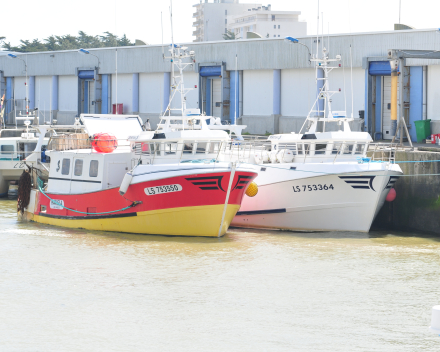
(391, 195)
(252, 190)
(104, 142)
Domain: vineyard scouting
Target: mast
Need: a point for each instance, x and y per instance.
(326, 94)
(179, 62)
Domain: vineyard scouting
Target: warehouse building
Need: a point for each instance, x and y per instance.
(267, 84)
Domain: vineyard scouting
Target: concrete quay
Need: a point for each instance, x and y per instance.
(417, 205)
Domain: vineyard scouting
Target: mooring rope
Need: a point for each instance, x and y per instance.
(40, 182)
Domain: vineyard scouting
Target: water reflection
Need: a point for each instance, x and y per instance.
(250, 290)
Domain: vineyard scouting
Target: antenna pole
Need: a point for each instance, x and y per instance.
(351, 68)
(328, 36)
(161, 25)
(322, 29)
(317, 34)
(400, 9)
(116, 79)
(345, 91)
(236, 87)
(27, 90)
(171, 17)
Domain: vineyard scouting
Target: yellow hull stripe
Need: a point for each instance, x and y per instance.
(185, 221)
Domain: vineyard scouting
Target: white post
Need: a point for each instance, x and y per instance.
(231, 178)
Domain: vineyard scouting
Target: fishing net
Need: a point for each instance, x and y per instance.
(24, 191)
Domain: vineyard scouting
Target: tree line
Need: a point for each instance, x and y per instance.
(68, 42)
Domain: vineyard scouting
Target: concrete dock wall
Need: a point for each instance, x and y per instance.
(417, 205)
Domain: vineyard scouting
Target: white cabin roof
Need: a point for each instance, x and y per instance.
(337, 136)
(202, 135)
(120, 126)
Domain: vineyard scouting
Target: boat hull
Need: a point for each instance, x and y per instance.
(344, 201)
(194, 208)
(174, 221)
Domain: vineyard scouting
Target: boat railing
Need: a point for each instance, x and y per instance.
(162, 151)
(262, 151)
(384, 152)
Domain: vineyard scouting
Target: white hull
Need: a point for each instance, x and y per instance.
(318, 197)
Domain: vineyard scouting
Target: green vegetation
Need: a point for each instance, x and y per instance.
(229, 35)
(68, 42)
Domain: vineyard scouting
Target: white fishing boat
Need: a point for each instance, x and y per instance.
(16, 145)
(317, 181)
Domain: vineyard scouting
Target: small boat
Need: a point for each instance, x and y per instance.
(15, 146)
(135, 181)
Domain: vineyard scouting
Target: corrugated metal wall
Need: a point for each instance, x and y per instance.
(257, 92)
(433, 92)
(255, 54)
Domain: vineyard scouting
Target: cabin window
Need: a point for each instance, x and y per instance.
(157, 148)
(78, 167)
(320, 149)
(213, 147)
(170, 148)
(188, 147)
(28, 148)
(7, 150)
(65, 170)
(93, 171)
(359, 148)
(306, 148)
(337, 148)
(201, 148)
(348, 148)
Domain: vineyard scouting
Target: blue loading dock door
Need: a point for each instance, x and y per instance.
(211, 71)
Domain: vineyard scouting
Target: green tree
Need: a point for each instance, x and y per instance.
(124, 41)
(229, 35)
(68, 42)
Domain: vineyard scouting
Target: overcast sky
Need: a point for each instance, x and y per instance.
(142, 19)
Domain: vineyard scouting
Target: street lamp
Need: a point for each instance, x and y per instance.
(12, 56)
(86, 52)
(292, 40)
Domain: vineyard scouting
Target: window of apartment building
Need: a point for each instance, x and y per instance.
(226, 12)
(274, 26)
(226, 30)
(274, 36)
(226, 21)
(278, 35)
(273, 17)
(279, 26)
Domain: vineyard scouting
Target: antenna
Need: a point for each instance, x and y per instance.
(322, 29)
(345, 90)
(171, 17)
(351, 68)
(328, 37)
(161, 25)
(27, 90)
(400, 9)
(116, 79)
(317, 33)
(236, 86)
(39, 97)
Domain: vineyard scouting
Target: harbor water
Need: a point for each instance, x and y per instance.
(77, 290)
